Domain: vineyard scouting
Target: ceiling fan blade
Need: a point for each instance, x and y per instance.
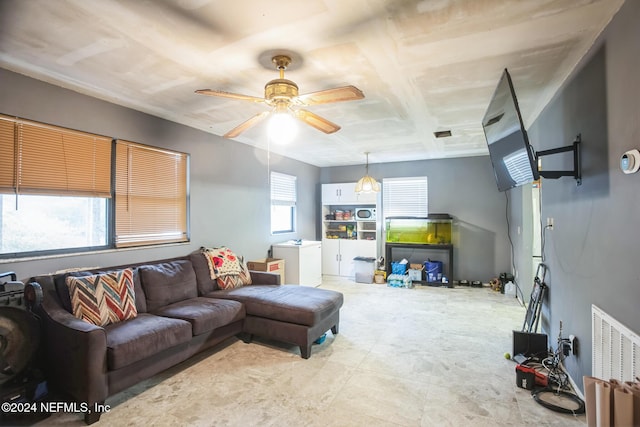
(339, 94)
(246, 125)
(317, 122)
(223, 94)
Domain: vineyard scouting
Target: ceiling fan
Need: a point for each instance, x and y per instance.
(282, 95)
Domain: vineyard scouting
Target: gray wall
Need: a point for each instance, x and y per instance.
(230, 196)
(464, 188)
(593, 250)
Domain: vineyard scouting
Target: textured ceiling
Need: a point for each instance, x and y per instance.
(424, 66)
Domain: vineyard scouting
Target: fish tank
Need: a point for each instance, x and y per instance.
(434, 229)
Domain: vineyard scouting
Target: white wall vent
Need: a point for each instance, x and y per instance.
(615, 348)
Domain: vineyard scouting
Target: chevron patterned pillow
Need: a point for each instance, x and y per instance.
(103, 299)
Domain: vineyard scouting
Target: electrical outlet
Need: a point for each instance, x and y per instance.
(568, 346)
(550, 223)
(572, 345)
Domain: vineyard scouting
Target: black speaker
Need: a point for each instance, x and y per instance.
(529, 344)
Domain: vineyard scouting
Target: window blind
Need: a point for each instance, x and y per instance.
(7, 155)
(283, 189)
(405, 197)
(48, 160)
(150, 195)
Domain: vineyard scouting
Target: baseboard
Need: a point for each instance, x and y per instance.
(574, 386)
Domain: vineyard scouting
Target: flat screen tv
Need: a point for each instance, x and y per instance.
(512, 156)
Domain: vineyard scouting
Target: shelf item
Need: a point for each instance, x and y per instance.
(304, 262)
(340, 230)
(343, 215)
(418, 254)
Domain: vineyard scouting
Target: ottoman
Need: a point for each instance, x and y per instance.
(290, 313)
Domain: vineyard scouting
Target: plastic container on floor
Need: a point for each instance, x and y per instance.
(364, 268)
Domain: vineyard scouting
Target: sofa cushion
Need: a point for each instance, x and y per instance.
(144, 336)
(62, 289)
(203, 276)
(286, 303)
(168, 282)
(204, 314)
(102, 299)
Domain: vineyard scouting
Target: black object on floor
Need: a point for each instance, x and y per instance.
(528, 344)
(532, 318)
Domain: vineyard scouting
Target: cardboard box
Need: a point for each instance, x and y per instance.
(270, 265)
(415, 274)
(380, 276)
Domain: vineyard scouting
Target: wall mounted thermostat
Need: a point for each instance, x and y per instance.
(630, 161)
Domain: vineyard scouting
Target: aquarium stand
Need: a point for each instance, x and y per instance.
(419, 253)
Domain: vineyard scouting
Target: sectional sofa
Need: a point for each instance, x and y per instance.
(179, 311)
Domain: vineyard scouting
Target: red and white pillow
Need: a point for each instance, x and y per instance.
(228, 269)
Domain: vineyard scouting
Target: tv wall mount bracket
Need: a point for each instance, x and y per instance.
(576, 173)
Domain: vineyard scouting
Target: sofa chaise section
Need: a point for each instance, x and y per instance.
(289, 313)
(293, 314)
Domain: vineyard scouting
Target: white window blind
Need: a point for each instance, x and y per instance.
(283, 203)
(283, 189)
(405, 197)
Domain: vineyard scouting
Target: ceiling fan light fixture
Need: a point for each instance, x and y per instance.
(281, 94)
(367, 184)
(282, 127)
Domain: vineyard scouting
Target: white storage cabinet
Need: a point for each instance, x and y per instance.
(303, 261)
(343, 239)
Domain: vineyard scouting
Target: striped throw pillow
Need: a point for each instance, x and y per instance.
(104, 298)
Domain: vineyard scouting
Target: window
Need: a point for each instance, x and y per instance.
(405, 197)
(56, 191)
(33, 223)
(151, 195)
(55, 184)
(283, 203)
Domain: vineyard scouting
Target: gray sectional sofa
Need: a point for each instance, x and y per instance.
(180, 312)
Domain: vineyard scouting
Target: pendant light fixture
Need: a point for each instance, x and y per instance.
(367, 184)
